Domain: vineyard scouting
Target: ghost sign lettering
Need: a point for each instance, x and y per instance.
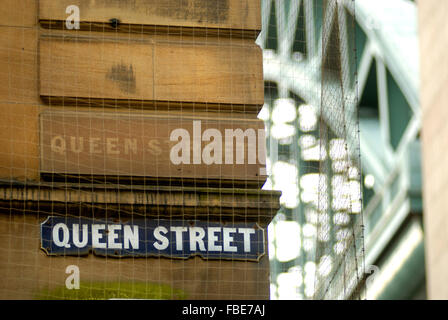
(166, 147)
(147, 237)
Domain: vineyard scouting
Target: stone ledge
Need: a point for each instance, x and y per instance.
(223, 204)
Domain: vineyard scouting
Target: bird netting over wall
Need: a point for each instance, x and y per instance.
(134, 161)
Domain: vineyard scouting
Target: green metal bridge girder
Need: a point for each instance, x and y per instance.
(387, 96)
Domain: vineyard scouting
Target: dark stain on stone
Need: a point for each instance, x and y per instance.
(124, 76)
(212, 11)
(114, 23)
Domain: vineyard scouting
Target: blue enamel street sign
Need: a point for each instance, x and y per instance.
(151, 237)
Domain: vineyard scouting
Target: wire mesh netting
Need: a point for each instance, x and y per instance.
(316, 240)
(134, 160)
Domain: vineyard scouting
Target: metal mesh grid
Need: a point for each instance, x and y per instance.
(316, 240)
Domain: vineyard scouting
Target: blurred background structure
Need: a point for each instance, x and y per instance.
(433, 39)
(373, 60)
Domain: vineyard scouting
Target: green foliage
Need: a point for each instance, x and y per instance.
(113, 290)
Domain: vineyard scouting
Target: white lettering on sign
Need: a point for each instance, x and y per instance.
(247, 232)
(117, 236)
(131, 237)
(65, 235)
(228, 239)
(197, 235)
(196, 238)
(179, 239)
(85, 235)
(112, 236)
(97, 236)
(164, 243)
(61, 236)
(212, 238)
